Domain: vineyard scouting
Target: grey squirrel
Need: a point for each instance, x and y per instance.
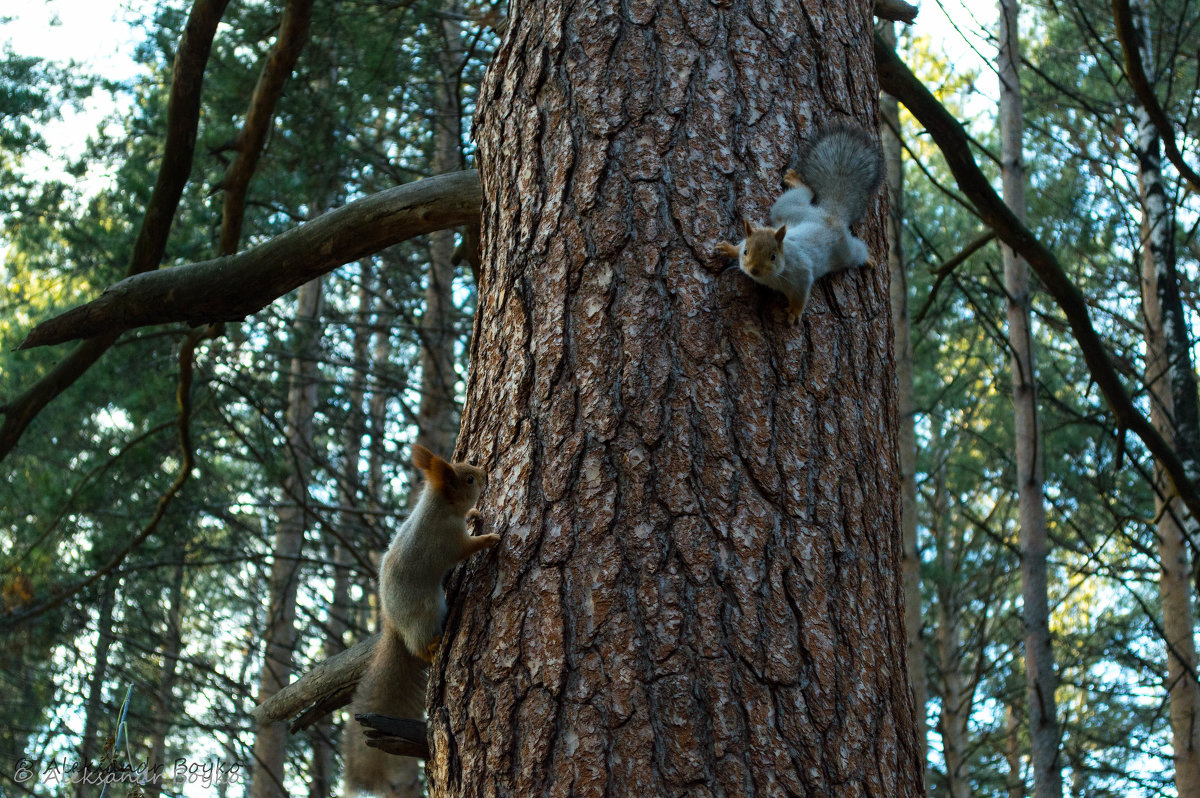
(842, 168)
(412, 607)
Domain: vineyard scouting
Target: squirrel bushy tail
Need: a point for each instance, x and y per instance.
(843, 168)
(393, 684)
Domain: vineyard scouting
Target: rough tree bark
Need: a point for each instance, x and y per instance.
(1040, 680)
(270, 741)
(1171, 384)
(906, 401)
(698, 589)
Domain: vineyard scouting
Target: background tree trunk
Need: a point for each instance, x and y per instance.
(1040, 681)
(699, 587)
(354, 526)
(1162, 314)
(437, 420)
(95, 703)
(957, 698)
(172, 645)
(1013, 781)
(270, 742)
(906, 401)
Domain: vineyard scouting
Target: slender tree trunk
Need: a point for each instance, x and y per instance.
(353, 524)
(437, 419)
(906, 402)
(1165, 359)
(381, 356)
(1040, 681)
(956, 700)
(95, 704)
(1013, 780)
(407, 773)
(270, 742)
(699, 585)
(172, 645)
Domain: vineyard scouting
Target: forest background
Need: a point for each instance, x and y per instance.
(142, 587)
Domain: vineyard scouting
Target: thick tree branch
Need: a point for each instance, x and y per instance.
(1127, 35)
(232, 287)
(896, 11)
(293, 35)
(336, 677)
(183, 113)
(897, 80)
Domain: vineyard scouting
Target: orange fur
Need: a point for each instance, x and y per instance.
(422, 457)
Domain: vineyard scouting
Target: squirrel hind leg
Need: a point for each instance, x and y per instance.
(792, 179)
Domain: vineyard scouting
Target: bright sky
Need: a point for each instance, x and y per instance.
(96, 34)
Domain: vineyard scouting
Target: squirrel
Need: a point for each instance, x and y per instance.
(843, 168)
(412, 607)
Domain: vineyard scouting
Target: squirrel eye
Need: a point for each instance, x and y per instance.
(772, 256)
(470, 480)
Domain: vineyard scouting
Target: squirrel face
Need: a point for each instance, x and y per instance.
(762, 254)
(457, 484)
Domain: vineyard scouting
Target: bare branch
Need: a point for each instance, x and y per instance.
(231, 287)
(336, 676)
(293, 35)
(187, 355)
(897, 80)
(896, 11)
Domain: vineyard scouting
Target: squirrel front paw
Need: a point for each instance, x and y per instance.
(795, 310)
(474, 515)
(727, 249)
(431, 649)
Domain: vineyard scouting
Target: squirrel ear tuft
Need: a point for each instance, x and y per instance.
(780, 233)
(442, 477)
(749, 227)
(422, 457)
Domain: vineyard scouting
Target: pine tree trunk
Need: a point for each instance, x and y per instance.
(699, 585)
(172, 645)
(437, 419)
(906, 401)
(1013, 780)
(270, 742)
(956, 700)
(95, 704)
(353, 524)
(1165, 359)
(1040, 680)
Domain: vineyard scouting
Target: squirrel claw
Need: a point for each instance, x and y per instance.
(727, 249)
(792, 179)
(431, 649)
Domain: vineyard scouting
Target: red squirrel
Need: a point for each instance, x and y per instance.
(412, 607)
